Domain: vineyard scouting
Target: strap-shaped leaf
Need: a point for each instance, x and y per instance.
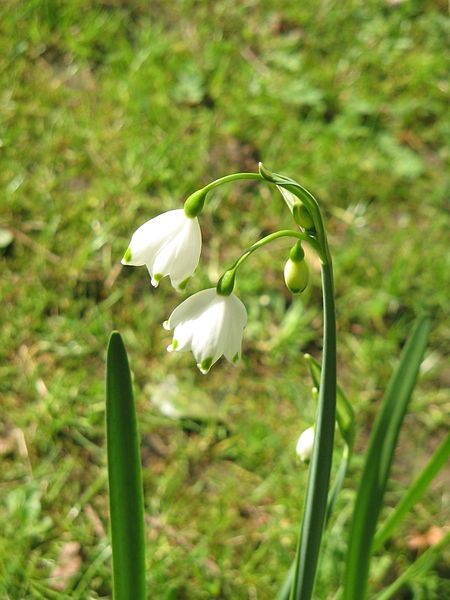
(414, 493)
(423, 564)
(383, 440)
(125, 478)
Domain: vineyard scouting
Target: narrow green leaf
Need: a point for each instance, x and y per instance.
(285, 590)
(377, 466)
(418, 568)
(414, 493)
(125, 479)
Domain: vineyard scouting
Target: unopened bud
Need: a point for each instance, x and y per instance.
(301, 215)
(296, 275)
(305, 445)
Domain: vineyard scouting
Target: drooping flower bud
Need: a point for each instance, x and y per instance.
(296, 272)
(305, 445)
(301, 215)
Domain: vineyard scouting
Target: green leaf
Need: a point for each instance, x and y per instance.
(414, 493)
(126, 500)
(383, 440)
(418, 568)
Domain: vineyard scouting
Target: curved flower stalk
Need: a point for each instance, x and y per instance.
(170, 244)
(211, 325)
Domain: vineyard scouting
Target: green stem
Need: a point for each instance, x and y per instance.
(271, 238)
(319, 474)
(230, 178)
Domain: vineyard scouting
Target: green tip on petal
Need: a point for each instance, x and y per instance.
(182, 286)
(127, 256)
(205, 365)
(173, 346)
(235, 358)
(156, 279)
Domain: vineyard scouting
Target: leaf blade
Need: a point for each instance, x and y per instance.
(124, 476)
(414, 493)
(378, 461)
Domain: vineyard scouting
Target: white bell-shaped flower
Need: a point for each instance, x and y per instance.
(305, 445)
(210, 325)
(170, 244)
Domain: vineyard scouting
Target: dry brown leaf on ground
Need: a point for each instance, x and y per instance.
(68, 564)
(421, 541)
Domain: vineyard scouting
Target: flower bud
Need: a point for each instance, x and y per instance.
(305, 445)
(301, 215)
(193, 205)
(296, 275)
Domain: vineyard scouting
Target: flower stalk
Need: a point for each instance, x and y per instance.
(319, 474)
(320, 469)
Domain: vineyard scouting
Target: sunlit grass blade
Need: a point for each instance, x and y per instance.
(376, 469)
(414, 493)
(125, 478)
(285, 590)
(423, 564)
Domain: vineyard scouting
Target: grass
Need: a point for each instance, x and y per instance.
(111, 113)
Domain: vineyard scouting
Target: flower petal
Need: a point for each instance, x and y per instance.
(191, 307)
(210, 325)
(151, 235)
(187, 254)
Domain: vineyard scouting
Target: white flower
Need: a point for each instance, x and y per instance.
(305, 444)
(169, 244)
(210, 325)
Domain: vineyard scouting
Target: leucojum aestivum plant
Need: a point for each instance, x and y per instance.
(211, 323)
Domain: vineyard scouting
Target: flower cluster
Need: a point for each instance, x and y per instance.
(211, 322)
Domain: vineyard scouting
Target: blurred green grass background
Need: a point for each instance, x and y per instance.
(114, 111)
